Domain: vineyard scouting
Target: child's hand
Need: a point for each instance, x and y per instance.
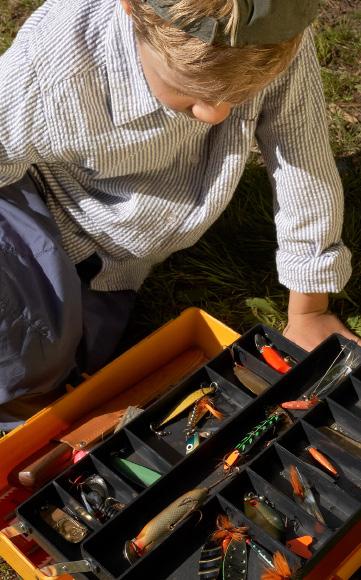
(308, 330)
(310, 322)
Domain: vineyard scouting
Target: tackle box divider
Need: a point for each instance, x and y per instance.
(256, 365)
(244, 396)
(223, 365)
(121, 488)
(306, 521)
(321, 478)
(330, 443)
(48, 538)
(156, 461)
(350, 384)
(292, 506)
(265, 540)
(246, 340)
(335, 413)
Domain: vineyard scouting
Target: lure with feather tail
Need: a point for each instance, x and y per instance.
(303, 494)
(187, 402)
(200, 409)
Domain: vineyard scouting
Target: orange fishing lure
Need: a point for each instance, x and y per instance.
(320, 458)
(280, 571)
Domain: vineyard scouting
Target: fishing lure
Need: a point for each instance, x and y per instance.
(165, 522)
(210, 562)
(261, 512)
(199, 411)
(278, 569)
(272, 357)
(187, 402)
(340, 438)
(70, 529)
(252, 438)
(95, 496)
(303, 494)
(234, 541)
(334, 375)
(320, 458)
(135, 472)
(249, 379)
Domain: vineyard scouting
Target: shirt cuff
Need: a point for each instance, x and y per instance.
(328, 272)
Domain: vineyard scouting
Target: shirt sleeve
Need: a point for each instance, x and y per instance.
(22, 123)
(293, 137)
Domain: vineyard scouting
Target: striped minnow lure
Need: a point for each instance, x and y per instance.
(184, 404)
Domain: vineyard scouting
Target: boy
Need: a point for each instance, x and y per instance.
(124, 130)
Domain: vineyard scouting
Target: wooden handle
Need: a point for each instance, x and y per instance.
(47, 466)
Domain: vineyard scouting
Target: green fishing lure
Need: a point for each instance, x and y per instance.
(135, 472)
(259, 510)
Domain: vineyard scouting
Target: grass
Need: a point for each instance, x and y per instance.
(231, 272)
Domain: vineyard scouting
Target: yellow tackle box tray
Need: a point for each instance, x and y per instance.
(143, 372)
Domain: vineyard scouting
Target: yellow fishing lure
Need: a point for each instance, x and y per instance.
(187, 402)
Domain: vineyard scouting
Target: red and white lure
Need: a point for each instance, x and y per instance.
(334, 375)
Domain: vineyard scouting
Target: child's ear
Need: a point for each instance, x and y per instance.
(126, 7)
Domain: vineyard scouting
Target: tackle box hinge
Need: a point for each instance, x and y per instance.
(53, 570)
(16, 529)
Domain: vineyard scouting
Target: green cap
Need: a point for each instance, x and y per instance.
(255, 21)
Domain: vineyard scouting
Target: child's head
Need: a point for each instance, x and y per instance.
(184, 72)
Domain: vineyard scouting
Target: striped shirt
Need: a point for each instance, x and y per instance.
(134, 181)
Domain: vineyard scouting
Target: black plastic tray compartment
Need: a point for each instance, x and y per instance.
(106, 549)
(348, 395)
(48, 538)
(282, 344)
(117, 487)
(336, 506)
(304, 435)
(249, 481)
(128, 446)
(303, 378)
(177, 557)
(331, 413)
(230, 400)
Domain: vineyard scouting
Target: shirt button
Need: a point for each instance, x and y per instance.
(194, 159)
(169, 217)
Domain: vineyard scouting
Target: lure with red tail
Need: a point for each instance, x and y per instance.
(271, 355)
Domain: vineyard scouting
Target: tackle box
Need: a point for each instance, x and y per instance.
(336, 549)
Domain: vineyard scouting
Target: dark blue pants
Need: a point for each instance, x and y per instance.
(51, 323)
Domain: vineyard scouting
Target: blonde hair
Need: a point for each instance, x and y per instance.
(212, 72)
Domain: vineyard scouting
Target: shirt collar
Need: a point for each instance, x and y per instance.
(129, 92)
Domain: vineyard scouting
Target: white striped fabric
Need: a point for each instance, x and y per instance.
(133, 181)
